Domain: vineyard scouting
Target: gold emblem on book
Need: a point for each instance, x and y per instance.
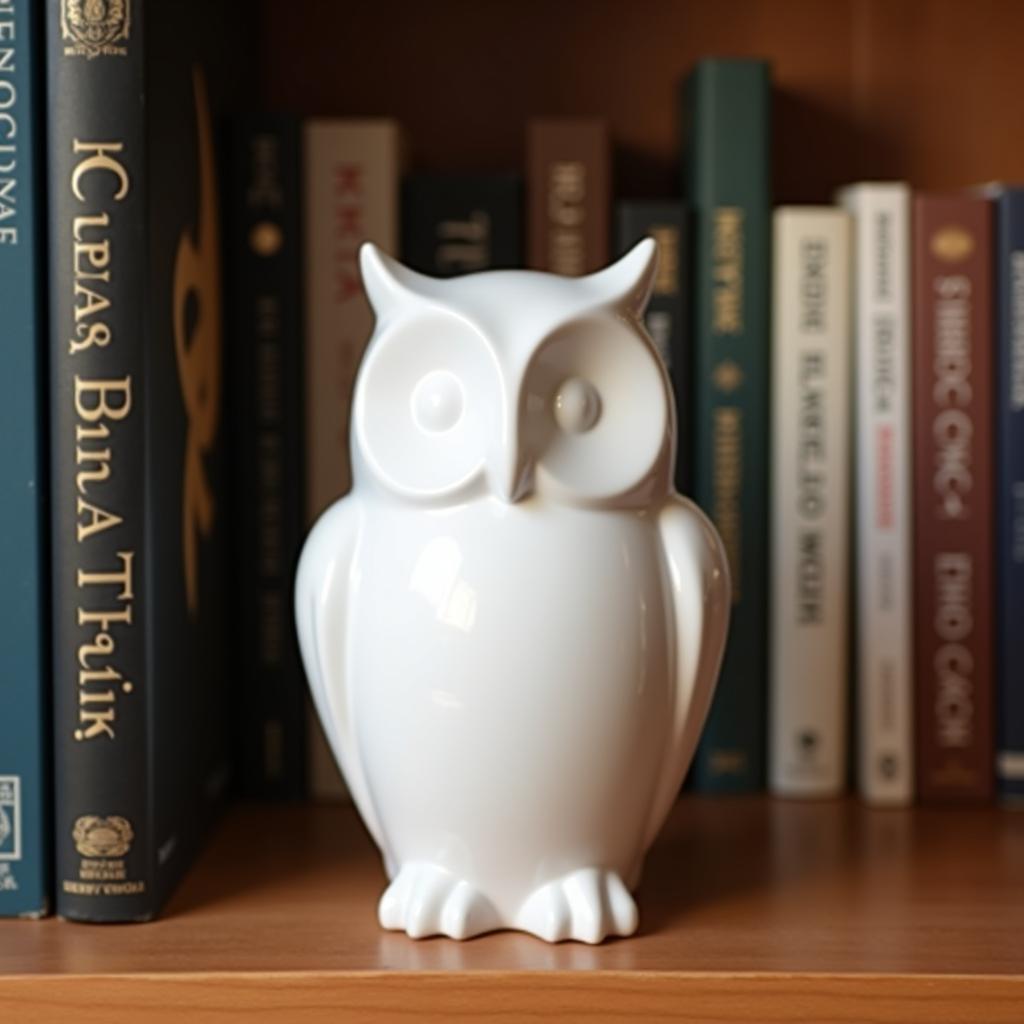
(95, 27)
(197, 347)
(266, 238)
(952, 244)
(727, 376)
(102, 837)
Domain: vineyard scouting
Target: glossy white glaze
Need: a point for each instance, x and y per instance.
(512, 626)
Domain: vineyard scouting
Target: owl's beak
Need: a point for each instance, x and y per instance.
(515, 474)
(512, 461)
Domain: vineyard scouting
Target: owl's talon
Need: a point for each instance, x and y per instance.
(587, 905)
(427, 900)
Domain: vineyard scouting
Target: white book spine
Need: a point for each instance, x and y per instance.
(882, 459)
(350, 193)
(810, 501)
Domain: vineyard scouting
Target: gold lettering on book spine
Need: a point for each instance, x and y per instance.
(197, 347)
(727, 441)
(105, 591)
(727, 297)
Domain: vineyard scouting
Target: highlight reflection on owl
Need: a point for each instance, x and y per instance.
(512, 626)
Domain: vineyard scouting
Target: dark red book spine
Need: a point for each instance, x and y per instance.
(953, 546)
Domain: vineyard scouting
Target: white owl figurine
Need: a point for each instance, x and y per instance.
(512, 625)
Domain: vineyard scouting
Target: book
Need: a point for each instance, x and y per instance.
(461, 223)
(350, 178)
(139, 527)
(727, 184)
(568, 194)
(1009, 490)
(953, 507)
(884, 691)
(810, 501)
(666, 318)
(24, 669)
(264, 343)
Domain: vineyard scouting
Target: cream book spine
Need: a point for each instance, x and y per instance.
(351, 176)
(810, 444)
(882, 465)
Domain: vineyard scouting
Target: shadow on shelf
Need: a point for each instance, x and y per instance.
(270, 847)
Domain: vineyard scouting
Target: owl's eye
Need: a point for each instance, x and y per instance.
(427, 399)
(597, 408)
(438, 402)
(577, 406)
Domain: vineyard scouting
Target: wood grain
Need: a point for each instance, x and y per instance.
(744, 886)
(603, 996)
(752, 910)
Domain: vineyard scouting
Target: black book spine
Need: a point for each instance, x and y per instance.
(462, 223)
(668, 312)
(264, 248)
(105, 857)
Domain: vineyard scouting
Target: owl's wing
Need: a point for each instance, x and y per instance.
(698, 578)
(323, 588)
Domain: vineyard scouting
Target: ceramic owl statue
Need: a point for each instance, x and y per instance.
(512, 626)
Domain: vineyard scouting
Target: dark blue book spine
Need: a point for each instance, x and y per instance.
(103, 810)
(1010, 493)
(24, 677)
(138, 456)
(667, 312)
(265, 353)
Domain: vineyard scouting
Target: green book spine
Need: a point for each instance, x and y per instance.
(727, 171)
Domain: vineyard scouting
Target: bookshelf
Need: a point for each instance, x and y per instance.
(751, 909)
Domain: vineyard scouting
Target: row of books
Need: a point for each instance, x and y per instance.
(860, 445)
(300, 197)
(892, 368)
(859, 441)
(176, 420)
(797, 419)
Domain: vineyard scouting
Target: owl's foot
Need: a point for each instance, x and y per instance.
(427, 900)
(587, 905)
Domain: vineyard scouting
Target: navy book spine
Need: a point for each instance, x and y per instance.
(667, 312)
(24, 675)
(461, 223)
(265, 374)
(105, 864)
(1010, 493)
(138, 469)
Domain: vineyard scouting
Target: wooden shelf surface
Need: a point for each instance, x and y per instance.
(750, 909)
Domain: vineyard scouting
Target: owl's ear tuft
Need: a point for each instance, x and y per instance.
(627, 283)
(388, 284)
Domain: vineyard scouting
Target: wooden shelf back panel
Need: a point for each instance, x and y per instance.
(924, 89)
